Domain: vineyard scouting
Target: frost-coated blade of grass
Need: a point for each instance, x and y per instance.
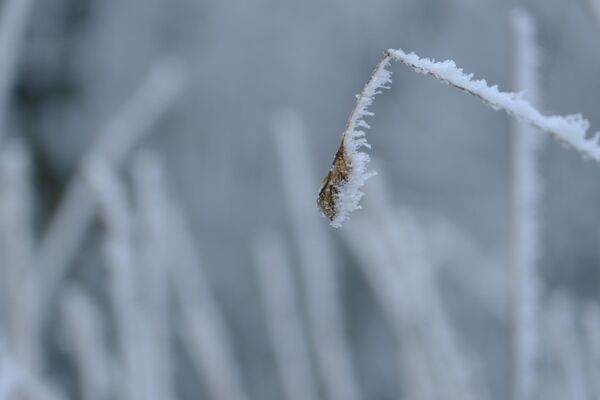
(340, 193)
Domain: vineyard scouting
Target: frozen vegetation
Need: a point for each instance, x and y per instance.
(158, 231)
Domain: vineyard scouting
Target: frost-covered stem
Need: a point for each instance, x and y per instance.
(115, 214)
(317, 263)
(340, 191)
(524, 203)
(16, 256)
(564, 345)
(155, 95)
(152, 234)
(570, 130)
(85, 334)
(591, 330)
(14, 15)
(284, 318)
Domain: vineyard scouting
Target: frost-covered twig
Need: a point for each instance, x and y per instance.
(525, 193)
(340, 190)
(203, 331)
(284, 318)
(317, 262)
(84, 332)
(13, 22)
(155, 95)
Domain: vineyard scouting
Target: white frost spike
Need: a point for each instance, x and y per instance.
(340, 192)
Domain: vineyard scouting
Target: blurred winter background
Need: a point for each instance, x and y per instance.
(159, 238)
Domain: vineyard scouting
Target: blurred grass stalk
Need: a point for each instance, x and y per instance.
(280, 301)
(84, 330)
(565, 376)
(591, 329)
(153, 255)
(319, 271)
(391, 256)
(594, 7)
(200, 323)
(115, 212)
(525, 187)
(63, 237)
(391, 249)
(23, 362)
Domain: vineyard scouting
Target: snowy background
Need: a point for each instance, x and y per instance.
(159, 237)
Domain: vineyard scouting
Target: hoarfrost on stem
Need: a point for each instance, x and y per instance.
(340, 192)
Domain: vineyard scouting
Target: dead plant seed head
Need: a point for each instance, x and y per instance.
(340, 192)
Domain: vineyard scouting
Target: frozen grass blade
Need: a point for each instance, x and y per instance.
(340, 193)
